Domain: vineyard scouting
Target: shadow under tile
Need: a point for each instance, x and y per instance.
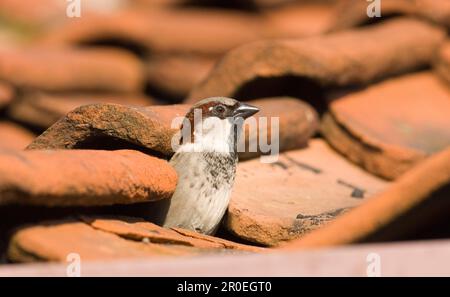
(16, 216)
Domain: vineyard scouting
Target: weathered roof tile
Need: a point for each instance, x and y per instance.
(55, 241)
(43, 109)
(150, 127)
(302, 191)
(390, 126)
(414, 205)
(83, 178)
(111, 239)
(340, 59)
(298, 122)
(139, 229)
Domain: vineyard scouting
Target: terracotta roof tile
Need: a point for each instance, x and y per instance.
(216, 240)
(231, 4)
(150, 127)
(173, 76)
(41, 13)
(192, 29)
(13, 136)
(378, 93)
(111, 239)
(408, 208)
(163, 37)
(71, 69)
(43, 109)
(352, 13)
(173, 31)
(299, 19)
(139, 229)
(83, 178)
(298, 122)
(442, 64)
(302, 191)
(340, 59)
(157, 3)
(45, 14)
(55, 241)
(6, 94)
(390, 126)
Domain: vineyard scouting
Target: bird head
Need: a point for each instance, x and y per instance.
(224, 108)
(215, 122)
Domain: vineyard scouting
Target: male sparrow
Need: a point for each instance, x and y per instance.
(206, 164)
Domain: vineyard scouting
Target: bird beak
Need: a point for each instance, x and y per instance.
(245, 110)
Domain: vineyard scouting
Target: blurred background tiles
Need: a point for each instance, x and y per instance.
(71, 69)
(6, 94)
(442, 64)
(353, 13)
(14, 136)
(43, 109)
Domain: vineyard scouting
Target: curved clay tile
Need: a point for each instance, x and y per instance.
(341, 59)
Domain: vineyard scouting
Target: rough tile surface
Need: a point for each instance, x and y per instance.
(390, 126)
(416, 203)
(83, 178)
(305, 189)
(340, 59)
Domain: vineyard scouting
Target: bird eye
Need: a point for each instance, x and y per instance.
(219, 109)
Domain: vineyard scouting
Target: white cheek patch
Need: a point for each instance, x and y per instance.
(215, 135)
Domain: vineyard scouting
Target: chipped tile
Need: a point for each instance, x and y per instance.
(54, 241)
(139, 229)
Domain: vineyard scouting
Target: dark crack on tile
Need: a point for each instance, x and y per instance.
(280, 164)
(356, 193)
(304, 165)
(325, 215)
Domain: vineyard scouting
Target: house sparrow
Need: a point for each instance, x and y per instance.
(206, 165)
